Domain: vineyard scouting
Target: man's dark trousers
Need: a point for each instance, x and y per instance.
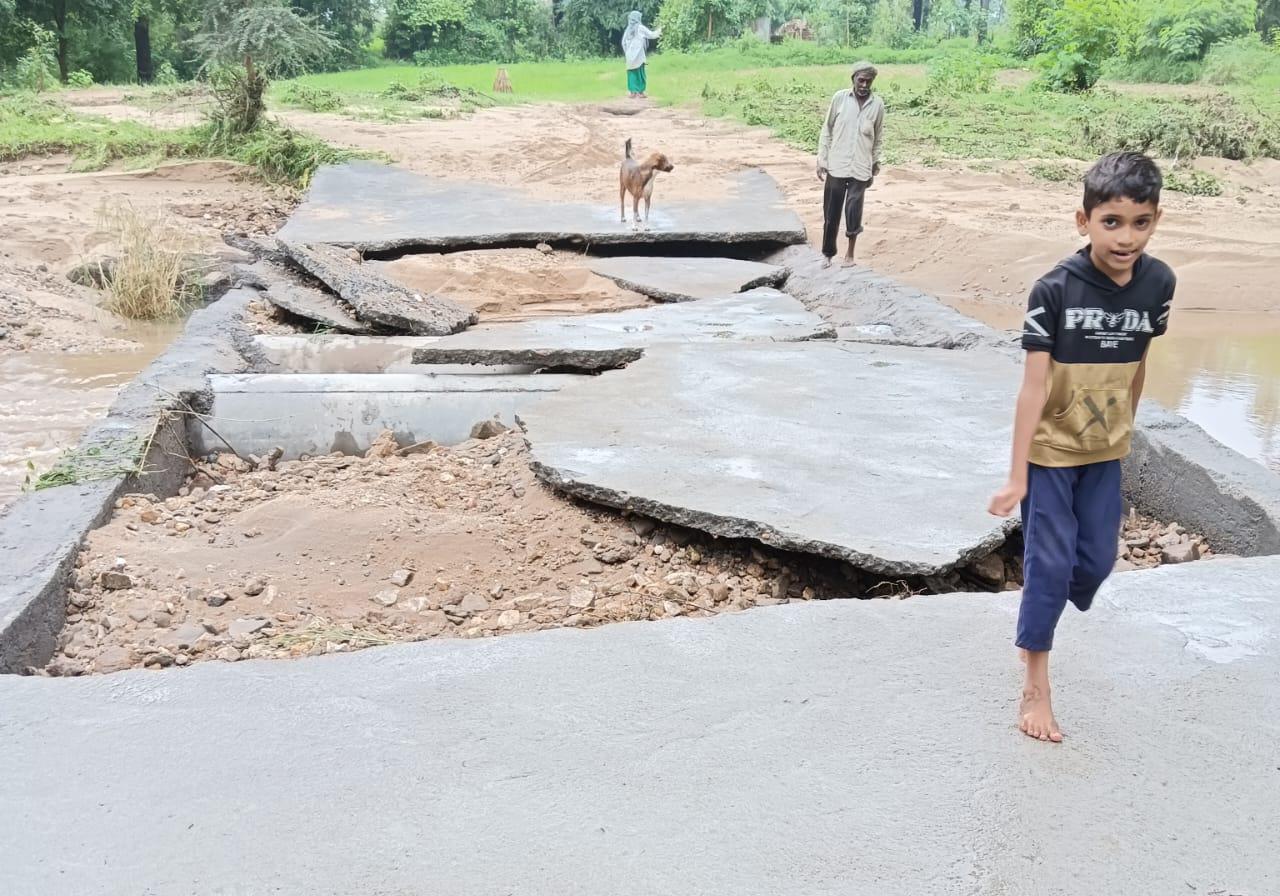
(841, 194)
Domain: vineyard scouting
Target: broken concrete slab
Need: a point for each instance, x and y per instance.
(687, 279)
(878, 455)
(319, 413)
(287, 294)
(800, 696)
(332, 353)
(382, 209)
(601, 341)
(1178, 472)
(867, 307)
(375, 299)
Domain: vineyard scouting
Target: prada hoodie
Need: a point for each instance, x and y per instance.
(1096, 334)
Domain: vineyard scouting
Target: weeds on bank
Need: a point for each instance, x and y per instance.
(152, 278)
(1192, 182)
(105, 460)
(32, 125)
(36, 125)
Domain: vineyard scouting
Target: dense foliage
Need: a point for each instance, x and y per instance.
(1071, 43)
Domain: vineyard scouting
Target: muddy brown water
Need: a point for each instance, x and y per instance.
(1219, 369)
(48, 399)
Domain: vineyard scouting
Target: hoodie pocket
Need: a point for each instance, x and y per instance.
(1096, 419)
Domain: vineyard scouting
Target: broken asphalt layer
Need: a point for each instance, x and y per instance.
(882, 456)
(612, 339)
(380, 209)
(686, 279)
(300, 300)
(377, 300)
(835, 747)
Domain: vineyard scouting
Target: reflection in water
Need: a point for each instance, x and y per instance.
(48, 399)
(1219, 369)
(1222, 371)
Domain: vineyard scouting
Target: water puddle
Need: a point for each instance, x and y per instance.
(1219, 369)
(48, 399)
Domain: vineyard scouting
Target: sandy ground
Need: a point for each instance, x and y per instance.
(513, 284)
(454, 542)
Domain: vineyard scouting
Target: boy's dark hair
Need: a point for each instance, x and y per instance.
(1122, 175)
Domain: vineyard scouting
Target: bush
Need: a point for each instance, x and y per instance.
(959, 73)
(37, 69)
(166, 75)
(281, 155)
(1240, 61)
(1153, 68)
(79, 79)
(1066, 71)
(151, 279)
(448, 32)
(1215, 126)
(892, 25)
(1192, 182)
(313, 99)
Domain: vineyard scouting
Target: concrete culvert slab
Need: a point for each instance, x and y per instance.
(686, 279)
(320, 413)
(375, 299)
(602, 341)
(381, 209)
(879, 455)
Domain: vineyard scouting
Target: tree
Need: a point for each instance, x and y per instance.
(686, 23)
(445, 31)
(594, 27)
(244, 43)
(1268, 17)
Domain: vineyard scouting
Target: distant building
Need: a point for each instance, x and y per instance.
(796, 29)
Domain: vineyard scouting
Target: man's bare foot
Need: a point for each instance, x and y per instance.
(848, 263)
(1035, 717)
(826, 262)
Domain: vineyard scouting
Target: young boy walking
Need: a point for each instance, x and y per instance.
(1089, 323)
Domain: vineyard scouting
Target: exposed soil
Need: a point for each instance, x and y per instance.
(454, 542)
(513, 284)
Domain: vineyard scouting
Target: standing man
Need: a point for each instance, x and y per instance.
(849, 157)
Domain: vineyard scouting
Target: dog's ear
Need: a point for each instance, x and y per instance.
(627, 149)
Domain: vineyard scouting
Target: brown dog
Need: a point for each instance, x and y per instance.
(637, 178)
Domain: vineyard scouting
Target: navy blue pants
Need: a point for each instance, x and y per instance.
(1070, 525)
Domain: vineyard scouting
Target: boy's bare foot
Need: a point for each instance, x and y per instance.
(826, 262)
(1035, 717)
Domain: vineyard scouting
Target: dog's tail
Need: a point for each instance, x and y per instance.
(627, 148)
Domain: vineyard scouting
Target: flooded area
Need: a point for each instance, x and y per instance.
(48, 399)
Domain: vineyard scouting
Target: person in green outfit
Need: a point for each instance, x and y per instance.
(635, 40)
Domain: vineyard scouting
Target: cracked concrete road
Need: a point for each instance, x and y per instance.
(824, 748)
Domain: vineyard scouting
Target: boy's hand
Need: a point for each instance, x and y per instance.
(1004, 501)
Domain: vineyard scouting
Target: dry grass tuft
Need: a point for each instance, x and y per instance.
(154, 277)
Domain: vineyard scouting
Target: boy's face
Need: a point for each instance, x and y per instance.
(1119, 230)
